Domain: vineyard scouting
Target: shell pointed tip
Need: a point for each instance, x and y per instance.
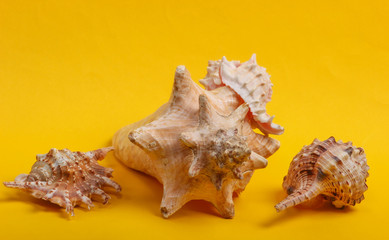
(180, 69)
(108, 149)
(165, 212)
(203, 98)
(132, 136)
(278, 209)
(254, 58)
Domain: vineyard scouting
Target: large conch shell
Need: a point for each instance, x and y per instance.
(199, 145)
(68, 178)
(328, 170)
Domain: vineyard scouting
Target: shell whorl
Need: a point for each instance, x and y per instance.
(68, 178)
(40, 171)
(335, 170)
(251, 82)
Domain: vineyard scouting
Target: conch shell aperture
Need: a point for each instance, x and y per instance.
(327, 170)
(201, 144)
(68, 178)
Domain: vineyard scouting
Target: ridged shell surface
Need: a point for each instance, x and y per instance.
(251, 82)
(68, 178)
(199, 145)
(329, 170)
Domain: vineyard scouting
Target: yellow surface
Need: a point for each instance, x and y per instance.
(74, 72)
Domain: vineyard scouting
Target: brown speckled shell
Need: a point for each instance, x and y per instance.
(335, 170)
(68, 178)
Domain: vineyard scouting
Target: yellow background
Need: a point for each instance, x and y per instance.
(74, 72)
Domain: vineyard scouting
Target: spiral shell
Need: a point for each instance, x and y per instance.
(251, 82)
(68, 178)
(329, 170)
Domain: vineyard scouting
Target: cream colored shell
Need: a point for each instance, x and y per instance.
(199, 145)
(251, 82)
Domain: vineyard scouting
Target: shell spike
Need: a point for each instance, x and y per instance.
(253, 59)
(100, 154)
(266, 125)
(258, 160)
(224, 201)
(53, 152)
(205, 117)
(226, 209)
(183, 86)
(146, 141)
(39, 157)
(15, 185)
(195, 168)
(181, 77)
(230, 66)
(188, 139)
(297, 197)
(171, 202)
(240, 113)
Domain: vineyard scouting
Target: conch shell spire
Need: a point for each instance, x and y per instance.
(297, 197)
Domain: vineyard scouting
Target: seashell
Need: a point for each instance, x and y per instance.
(251, 82)
(328, 170)
(213, 79)
(68, 178)
(199, 145)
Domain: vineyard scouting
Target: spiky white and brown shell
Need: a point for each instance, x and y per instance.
(330, 170)
(251, 82)
(199, 145)
(68, 178)
(213, 78)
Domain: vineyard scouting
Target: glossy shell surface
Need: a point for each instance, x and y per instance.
(329, 170)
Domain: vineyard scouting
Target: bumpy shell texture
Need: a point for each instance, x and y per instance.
(68, 178)
(219, 148)
(327, 170)
(251, 82)
(199, 145)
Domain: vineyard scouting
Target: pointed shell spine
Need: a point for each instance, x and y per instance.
(68, 178)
